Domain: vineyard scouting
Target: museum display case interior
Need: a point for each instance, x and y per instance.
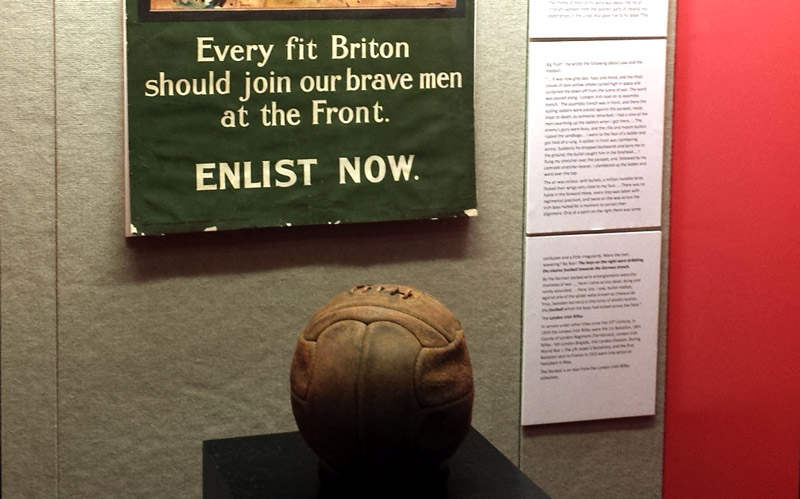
(159, 366)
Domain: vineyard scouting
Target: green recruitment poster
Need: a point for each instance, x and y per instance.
(264, 113)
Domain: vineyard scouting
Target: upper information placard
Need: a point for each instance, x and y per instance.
(257, 113)
(595, 135)
(598, 18)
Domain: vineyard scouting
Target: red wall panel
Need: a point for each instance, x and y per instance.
(733, 357)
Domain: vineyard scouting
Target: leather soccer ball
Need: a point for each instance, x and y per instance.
(381, 382)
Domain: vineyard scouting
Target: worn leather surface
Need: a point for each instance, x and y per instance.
(381, 381)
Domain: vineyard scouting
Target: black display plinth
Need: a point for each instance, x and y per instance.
(283, 467)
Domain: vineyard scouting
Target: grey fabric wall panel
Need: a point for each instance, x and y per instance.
(27, 251)
(167, 342)
(614, 458)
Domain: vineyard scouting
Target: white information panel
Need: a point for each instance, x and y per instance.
(591, 327)
(598, 18)
(595, 135)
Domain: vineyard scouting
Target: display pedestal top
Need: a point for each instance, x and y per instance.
(283, 467)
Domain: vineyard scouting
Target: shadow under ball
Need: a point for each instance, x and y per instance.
(381, 382)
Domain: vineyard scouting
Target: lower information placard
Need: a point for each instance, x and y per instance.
(591, 327)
